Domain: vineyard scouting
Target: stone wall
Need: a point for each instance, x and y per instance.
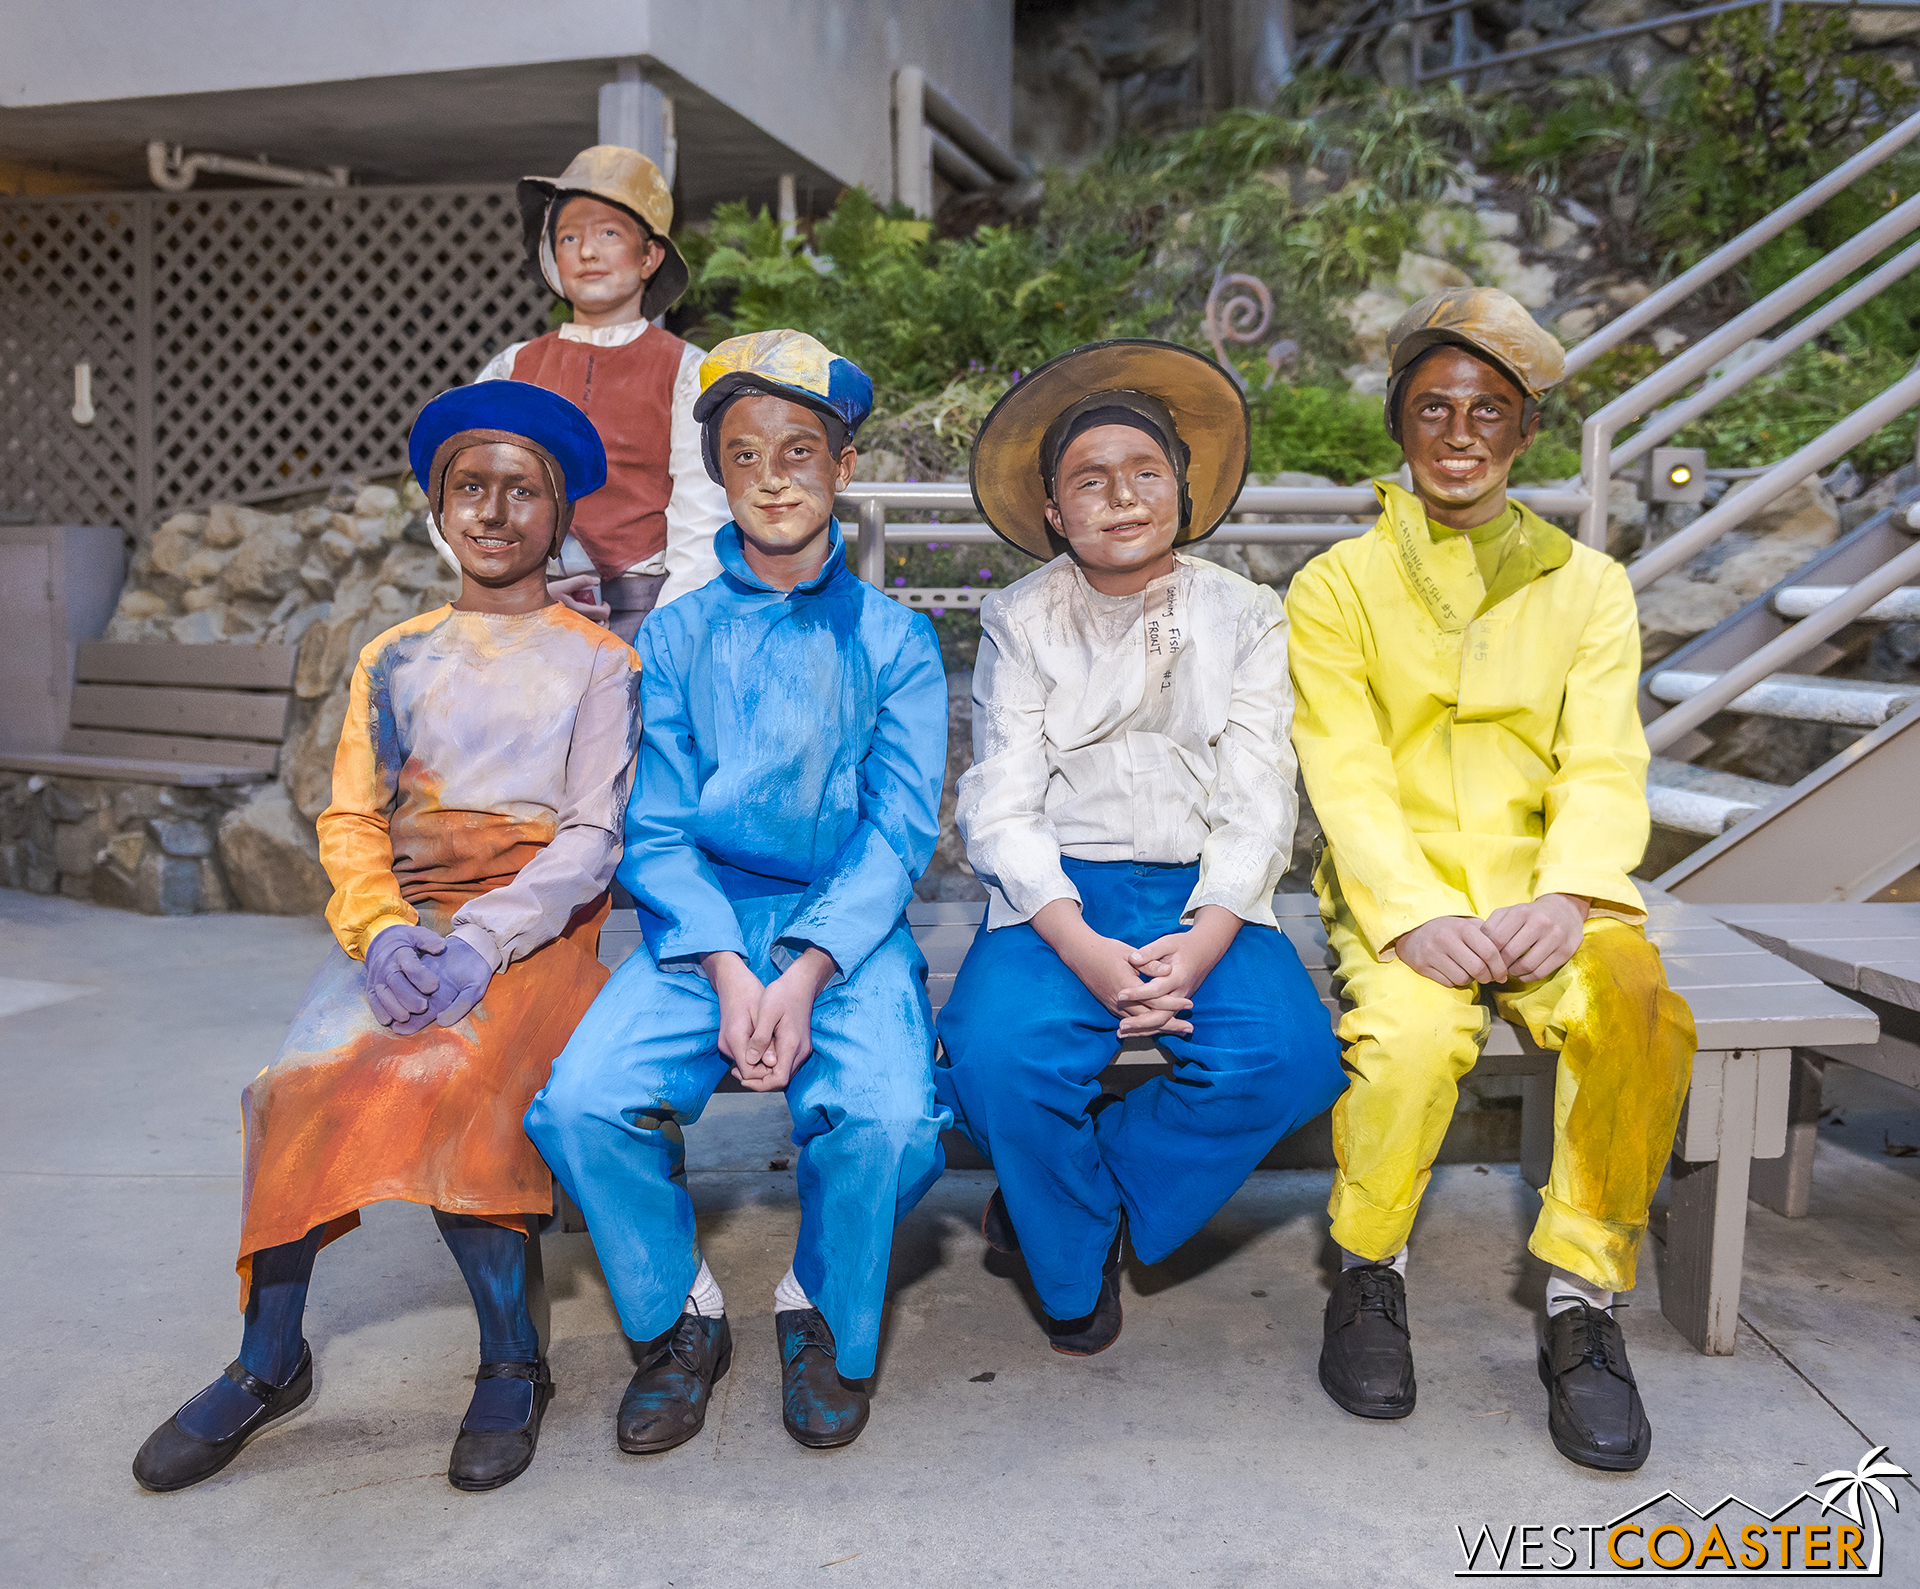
(327, 578)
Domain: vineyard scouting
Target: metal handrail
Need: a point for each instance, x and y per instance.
(1677, 721)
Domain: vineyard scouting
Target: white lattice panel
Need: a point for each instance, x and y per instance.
(245, 344)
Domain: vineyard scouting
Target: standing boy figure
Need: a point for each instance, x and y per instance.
(477, 800)
(1467, 725)
(597, 237)
(789, 786)
(1131, 808)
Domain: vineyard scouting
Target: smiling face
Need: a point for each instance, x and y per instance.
(1116, 504)
(500, 516)
(605, 258)
(1460, 423)
(781, 478)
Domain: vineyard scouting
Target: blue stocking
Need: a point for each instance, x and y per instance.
(494, 1261)
(271, 1344)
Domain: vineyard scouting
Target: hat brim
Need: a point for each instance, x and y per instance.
(1207, 407)
(516, 408)
(535, 194)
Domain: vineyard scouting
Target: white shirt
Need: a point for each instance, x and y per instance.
(697, 507)
(1131, 728)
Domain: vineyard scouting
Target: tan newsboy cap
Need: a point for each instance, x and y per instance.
(620, 176)
(1483, 320)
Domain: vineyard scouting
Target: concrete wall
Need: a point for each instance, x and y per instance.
(815, 74)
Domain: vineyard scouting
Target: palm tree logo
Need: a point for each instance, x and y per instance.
(1853, 1486)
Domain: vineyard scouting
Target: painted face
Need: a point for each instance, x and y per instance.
(780, 472)
(604, 256)
(1116, 501)
(1460, 426)
(499, 514)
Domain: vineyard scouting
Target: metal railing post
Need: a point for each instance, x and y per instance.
(872, 556)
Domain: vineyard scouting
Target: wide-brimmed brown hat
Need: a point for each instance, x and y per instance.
(1485, 321)
(620, 176)
(1208, 412)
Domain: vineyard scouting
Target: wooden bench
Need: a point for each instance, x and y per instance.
(193, 715)
(1751, 1008)
(1872, 954)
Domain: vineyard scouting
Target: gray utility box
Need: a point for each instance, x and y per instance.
(58, 587)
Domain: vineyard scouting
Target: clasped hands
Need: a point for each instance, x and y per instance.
(766, 1028)
(1516, 943)
(1150, 988)
(414, 976)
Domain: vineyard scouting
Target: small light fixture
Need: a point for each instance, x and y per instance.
(1679, 474)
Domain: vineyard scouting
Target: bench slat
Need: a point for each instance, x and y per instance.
(161, 748)
(132, 769)
(1896, 981)
(214, 714)
(219, 667)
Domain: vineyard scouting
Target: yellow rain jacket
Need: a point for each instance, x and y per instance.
(1467, 748)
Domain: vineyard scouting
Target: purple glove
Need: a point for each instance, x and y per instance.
(464, 975)
(400, 982)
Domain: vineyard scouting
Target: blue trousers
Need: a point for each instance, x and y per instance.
(1026, 1042)
(645, 1060)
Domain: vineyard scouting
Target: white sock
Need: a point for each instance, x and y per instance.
(1353, 1260)
(788, 1295)
(1564, 1289)
(705, 1299)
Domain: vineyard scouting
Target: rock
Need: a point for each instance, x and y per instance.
(410, 568)
(140, 604)
(124, 851)
(267, 564)
(271, 857)
(311, 680)
(1371, 315)
(1449, 229)
(244, 621)
(174, 542)
(213, 887)
(64, 804)
(1559, 234)
(312, 521)
(1521, 38)
(306, 764)
(1367, 380)
(317, 577)
(1742, 564)
(201, 599)
(203, 628)
(412, 498)
(134, 803)
(1498, 223)
(1615, 13)
(1666, 340)
(375, 502)
(228, 524)
(205, 565)
(1579, 213)
(1420, 274)
(1394, 56)
(1626, 517)
(177, 836)
(298, 625)
(75, 844)
(1501, 266)
(1580, 322)
(336, 548)
(138, 631)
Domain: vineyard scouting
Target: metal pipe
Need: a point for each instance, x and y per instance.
(872, 556)
(1598, 430)
(175, 171)
(969, 135)
(1824, 449)
(956, 165)
(1677, 415)
(912, 160)
(1674, 724)
(1762, 231)
(944, 495)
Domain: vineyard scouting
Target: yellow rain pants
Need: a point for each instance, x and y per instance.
(1466, 748)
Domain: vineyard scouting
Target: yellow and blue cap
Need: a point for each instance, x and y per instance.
(788, 364)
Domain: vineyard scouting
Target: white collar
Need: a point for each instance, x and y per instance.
(603, 336)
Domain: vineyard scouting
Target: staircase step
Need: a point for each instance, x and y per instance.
(1803, 697)
(1802, 601)
(1699, 800)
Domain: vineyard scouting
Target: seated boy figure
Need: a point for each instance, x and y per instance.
(478, 794)
(787, 798)
(1130, 808)
(1466, 679)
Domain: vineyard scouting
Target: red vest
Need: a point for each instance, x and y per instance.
(628, 394)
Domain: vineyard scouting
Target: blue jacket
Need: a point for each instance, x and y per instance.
(791, 742)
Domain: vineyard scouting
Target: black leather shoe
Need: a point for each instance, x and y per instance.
(996, 1224)
(1096, 1331)
(1593, 1406)
(667, 1398)
(819, 1408)
(1366, 1353)
(485, 1459)
(172, 1459)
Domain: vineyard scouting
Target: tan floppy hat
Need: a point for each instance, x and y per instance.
(624, 177)
(1483, 320)
(1208, 412)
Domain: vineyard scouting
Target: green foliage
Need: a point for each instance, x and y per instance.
(1320, 430)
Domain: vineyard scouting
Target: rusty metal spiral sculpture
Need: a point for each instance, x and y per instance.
(1239, 309)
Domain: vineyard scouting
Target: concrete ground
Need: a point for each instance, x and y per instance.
(1198, 1450)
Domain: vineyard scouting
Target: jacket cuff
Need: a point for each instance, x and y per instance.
(1610, 891)
(482, 942)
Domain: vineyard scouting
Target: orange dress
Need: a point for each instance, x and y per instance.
(479, 790)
